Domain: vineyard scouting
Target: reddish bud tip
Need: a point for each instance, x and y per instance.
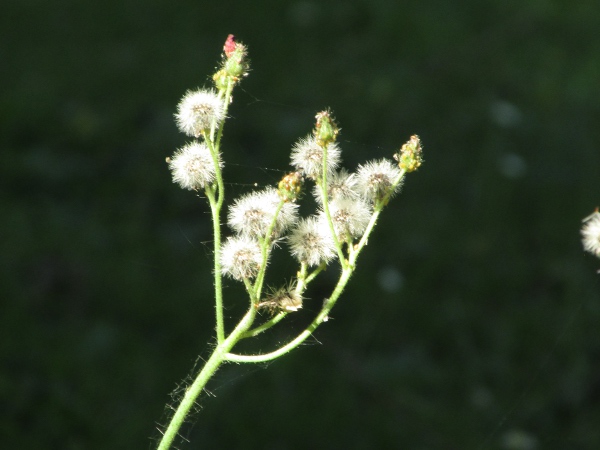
(229, 46)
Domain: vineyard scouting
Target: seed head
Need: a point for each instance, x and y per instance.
(240, 257)
(192, 166)
(350, 217)
(197, 111)
(591, 234)
(339, 184)
(307, 157)
(253, 214)
(375, 179)
(311, 242)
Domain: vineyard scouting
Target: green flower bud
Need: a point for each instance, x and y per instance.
(410, 156)
(290, 187)
(326, 130)
(220, 79)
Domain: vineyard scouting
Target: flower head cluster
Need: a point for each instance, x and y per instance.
(350, 217)
(253, 214)
(307, 157)
(192, 166)
(241, 257)
(377, 179)
(198, 110)
(311, 242)
(591, 234)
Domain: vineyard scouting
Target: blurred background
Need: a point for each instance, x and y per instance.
(472, 322)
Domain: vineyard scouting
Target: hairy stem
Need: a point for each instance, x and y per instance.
(212, 365)
(325, 198)
(321, 317)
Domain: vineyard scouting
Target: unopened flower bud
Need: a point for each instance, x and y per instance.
(220, 79)
(236, 62)
(326, 130)
(410, 156)
(234, 65)
(290, 187)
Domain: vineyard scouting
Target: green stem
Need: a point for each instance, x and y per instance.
(321, 317)
(216, 204)
(216, 212)
(217, 358)
(315, 272)
(265, 326)
(379, 207)
(325, 198)
(265, 245)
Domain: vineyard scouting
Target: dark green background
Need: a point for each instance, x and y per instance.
(492, 340)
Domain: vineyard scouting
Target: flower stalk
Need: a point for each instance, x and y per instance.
(349, 207)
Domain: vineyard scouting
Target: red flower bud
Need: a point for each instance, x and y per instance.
(229, 46)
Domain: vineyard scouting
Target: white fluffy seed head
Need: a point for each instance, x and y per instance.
(197, 110)
(253, 214)
(307, 157)
(339, 184)
(375, 179)
(591, 234)
(192, 166)
(350, 217)
(241, 257)
(311, 242)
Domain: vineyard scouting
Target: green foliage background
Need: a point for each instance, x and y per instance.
(490, 340)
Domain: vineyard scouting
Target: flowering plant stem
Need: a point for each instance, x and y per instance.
(350, 207)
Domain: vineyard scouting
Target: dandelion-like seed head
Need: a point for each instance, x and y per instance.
(339, 184)
(241, 257)
(311, 242)
(253, 214)
(350, 217)
(192, 166)
(375, 179)
(307, 157)
(197, 110)
(590, 233)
